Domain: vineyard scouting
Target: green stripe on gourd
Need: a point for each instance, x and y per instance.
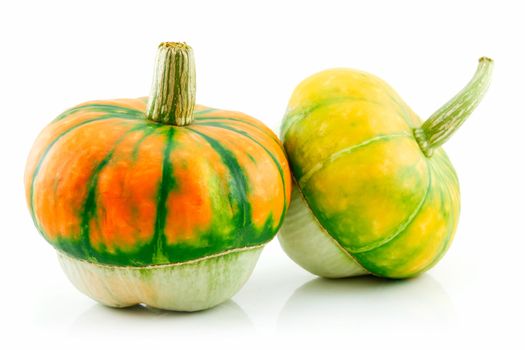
(102, 108)
(209, 119)
(274, 160)
(239, 185)
(167, 184)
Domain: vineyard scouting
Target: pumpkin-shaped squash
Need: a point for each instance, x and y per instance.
(158, 201)
(374, 192)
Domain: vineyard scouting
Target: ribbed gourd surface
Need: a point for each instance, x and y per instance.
(106, 185)
(349, 139)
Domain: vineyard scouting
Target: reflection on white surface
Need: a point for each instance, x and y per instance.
(228, 316)
(366, 303)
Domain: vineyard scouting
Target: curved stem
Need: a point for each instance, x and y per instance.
(437, 129)
(172, 97)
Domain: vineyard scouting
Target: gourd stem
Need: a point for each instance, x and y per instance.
(437, 129)
(172, 97)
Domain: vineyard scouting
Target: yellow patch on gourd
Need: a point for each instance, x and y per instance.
(425, 238)
(337, 126)
(335, 83)
(367, 195)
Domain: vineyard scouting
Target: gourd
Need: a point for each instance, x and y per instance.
(374, 193)
(157, 200)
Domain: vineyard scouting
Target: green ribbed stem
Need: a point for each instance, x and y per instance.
(437, 129)
(172, 97)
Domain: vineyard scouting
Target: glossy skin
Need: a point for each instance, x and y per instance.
(106, 185)
(349, 139)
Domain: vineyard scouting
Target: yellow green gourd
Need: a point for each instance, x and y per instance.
(374, 192)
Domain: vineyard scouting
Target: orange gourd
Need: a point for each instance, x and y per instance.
(141, 183)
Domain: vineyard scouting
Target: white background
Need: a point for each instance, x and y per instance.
(249, 57)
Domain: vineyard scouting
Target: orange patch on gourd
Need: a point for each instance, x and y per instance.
(189, 207)
(126, 196)
(199, 108)
(133, 103)
(61, 185)
(46, 137)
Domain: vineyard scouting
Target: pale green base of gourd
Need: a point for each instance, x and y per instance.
(188, 286)
(309, 245)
